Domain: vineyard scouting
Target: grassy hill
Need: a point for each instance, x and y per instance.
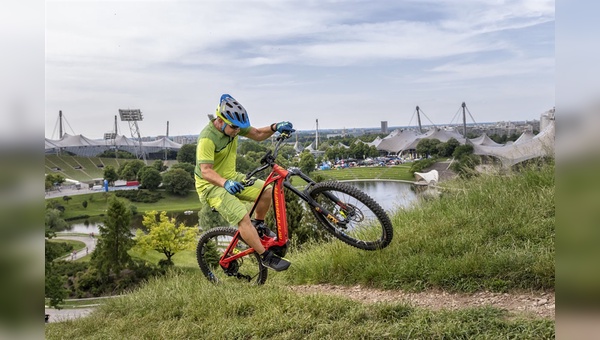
(491, 233)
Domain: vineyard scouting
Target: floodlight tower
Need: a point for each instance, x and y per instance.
(134, 116)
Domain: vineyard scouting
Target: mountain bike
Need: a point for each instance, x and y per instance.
(343, 210)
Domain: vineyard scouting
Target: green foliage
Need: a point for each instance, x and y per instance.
(421, 164)
(464, 161)
(177, 182)
(165, 236)
(150, 178)
(114, 240)
(116, 154)
(129, 170)
(84, 204)
(428, 147)
(53, 221)
(250, 145)
(110, 174)
(53, 179)
(159, 165)
(139, 195)
(307, 162)
(187, 154)
(189, 168)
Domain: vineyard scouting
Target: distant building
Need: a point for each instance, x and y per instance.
(384, 126)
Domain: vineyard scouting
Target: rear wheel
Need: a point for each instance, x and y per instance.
(358, 220)
(211, 247)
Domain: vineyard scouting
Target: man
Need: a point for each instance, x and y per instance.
(219, 184)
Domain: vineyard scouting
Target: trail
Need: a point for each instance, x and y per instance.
(528, 304)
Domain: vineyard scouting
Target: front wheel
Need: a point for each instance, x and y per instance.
(211, 247)
(356, 219)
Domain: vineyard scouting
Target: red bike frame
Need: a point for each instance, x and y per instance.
(277, 176)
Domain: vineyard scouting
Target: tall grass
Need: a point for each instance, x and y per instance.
(186, 306)
(493, 232)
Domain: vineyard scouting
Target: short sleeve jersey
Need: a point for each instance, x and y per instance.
(218, 149)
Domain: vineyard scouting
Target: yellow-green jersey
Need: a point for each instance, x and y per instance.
(218, 149)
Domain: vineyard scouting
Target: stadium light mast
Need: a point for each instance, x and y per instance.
(60, 128)
(132, 117)
(464, 108)
(317, 136)
(165, 141)
(419, 119)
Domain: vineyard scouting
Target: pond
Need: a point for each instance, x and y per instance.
(391, 195)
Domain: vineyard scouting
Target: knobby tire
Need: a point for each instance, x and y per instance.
(211, 246)
(373, 232)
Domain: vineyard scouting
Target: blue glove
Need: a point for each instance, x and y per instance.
(286, 127)
(233, 187)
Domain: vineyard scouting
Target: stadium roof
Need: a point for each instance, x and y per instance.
(83, 146)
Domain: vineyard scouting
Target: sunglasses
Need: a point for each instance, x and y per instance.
(235, 127)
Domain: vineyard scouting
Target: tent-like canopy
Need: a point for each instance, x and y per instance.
(484, 140)
(83, 146)
(538, 146)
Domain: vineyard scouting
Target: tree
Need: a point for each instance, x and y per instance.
(178, 182)
(110, 174)
(165, 236)
(114, 241)
(187, 154)
(54, 285)
(159, 165)
(84, 204)
(149, 178)
(54, 179)
(67, 198)
(189, 168)
(129, 170)
(446, 149)
(428, 147)
(307, 162)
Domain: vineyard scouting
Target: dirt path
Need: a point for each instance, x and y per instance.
(536, 305)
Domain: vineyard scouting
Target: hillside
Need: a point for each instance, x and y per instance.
(488, 238)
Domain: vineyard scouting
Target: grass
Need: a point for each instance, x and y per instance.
(490, 233)
(186, 306)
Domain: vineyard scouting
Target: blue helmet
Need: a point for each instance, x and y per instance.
(232, 112)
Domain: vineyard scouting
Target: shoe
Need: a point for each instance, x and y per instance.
(262, 229)
(271, 260)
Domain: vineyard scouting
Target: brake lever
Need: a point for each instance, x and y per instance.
(247, 182)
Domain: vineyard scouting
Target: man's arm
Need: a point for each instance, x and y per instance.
(260, 134)
(211, 175)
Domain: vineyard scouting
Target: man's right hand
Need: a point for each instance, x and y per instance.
(233, 187)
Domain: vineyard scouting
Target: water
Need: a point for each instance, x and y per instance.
(91, 225)
(390, 195)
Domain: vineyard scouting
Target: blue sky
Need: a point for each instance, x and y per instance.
(347, 63)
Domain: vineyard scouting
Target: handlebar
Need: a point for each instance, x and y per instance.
(268, 159)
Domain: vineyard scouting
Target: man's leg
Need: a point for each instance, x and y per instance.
(263, 205)
(250, 235)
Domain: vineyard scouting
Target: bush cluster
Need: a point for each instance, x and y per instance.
(139, 195)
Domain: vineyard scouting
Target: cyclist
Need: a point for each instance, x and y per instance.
(218, 183)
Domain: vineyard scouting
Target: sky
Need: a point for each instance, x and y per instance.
(349, 64)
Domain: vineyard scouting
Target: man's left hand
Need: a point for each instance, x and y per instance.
(284, 127)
